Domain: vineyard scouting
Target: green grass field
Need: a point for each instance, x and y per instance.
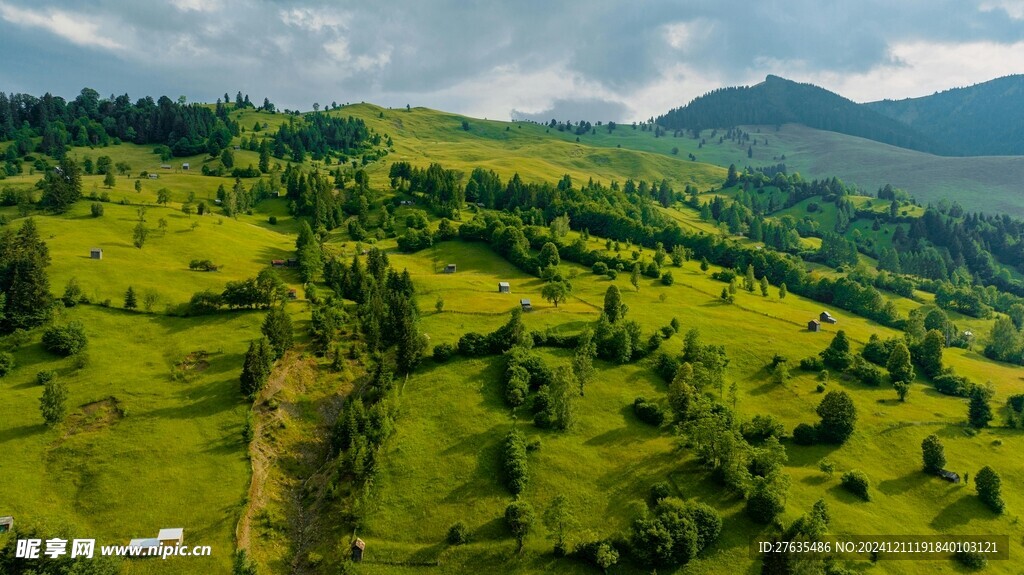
(141, 450)
(442, 466)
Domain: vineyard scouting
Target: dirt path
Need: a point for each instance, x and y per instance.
(261, 453)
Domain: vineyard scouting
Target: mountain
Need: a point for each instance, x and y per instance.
(982, 120)
(778, 101)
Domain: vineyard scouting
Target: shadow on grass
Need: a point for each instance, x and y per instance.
(901, 485)
(20, 432)
(961, 512)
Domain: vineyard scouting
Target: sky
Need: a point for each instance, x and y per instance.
(571, 59)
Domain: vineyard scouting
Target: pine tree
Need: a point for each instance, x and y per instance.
(930, 353)
(23, 261)
(764, 286)
(62, 186)
(277, 326)
(256, 367)
(748, 279)
(130, 301)
(979, 412)
(782, 291)
(613, 306)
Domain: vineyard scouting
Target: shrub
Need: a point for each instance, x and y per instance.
(272, 220)
(474, 345)
(601, 554)
(813, 363)
(96, 209)
(667, 279)
(6, 363)
(204, 302)
(660, 491)
(612, 274)
(45, 376)
(856, 482)
(805, 434)
(971, 559)
(443, 352)
(517, 474)
(989, 486)
(762, 427)
(648, 412)
(600, 268)
(838, 417)
(867, 373)
(458, 534)
(820, 387)
(955, 385)
(65, 340)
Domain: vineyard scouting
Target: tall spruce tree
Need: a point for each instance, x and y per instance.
(256, 369)
(62, 186)
(277, 326)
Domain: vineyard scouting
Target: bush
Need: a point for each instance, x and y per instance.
(813, 363)
(762, 427)
(204, 302)
(955, 385)
(443, 352)
(6, 363)
(970, 559)
(474, 345)
(517, 475)
(805, 434)
(612, 274)
(65, 340)
(600, 268)
(867, 373)
(648, 412)
(45, 376)
(856, 482)
(96, 209)
(820, 387)
(272, 220)
(458, 534)
(667, 279)
(660, 491)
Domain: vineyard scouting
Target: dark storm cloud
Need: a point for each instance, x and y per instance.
(592, 110)
(467, 56)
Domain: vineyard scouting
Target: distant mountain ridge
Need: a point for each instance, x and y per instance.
(984, 119)
(980, 120)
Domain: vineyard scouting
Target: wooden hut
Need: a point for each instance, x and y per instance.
(171, 536)
(358, 548)
(96, 254)
(814, 325)
(949, 476)
(6, 524)
(825, 317)
(503, 287)
(449, 269)
(525, 303)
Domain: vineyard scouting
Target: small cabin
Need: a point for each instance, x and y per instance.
(6, 524)
(96, 254)
(165, 166)
(814, 325)
(236, 148)
(449, 269)
(150, 547)
(525, 304)
(291, 262)
(184, 166)
(358, 548)
(277, 263)
(292, 294)
(154, 176)
(503, 287)
(171, 536)
(949, 476)
(481, 205)
(825, 317)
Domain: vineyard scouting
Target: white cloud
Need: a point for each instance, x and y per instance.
(1013, 8)
(73, 27)
(196, 5)
(314, 21)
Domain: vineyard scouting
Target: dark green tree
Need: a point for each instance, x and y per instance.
(979, 412)
(837, 354)
(53, 402)
(838, 417)
(519, 517)
(277, 327)
(256, 368)
(933, 453)
(62, 186)
(989, 486)
(613, 306)
(130, 301)
(929, 352)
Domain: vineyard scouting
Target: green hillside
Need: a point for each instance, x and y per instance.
(159, 434)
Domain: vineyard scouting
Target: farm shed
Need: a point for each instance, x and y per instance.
(171, 536)
(165, 166)
(358, 548)
(503, 287)
(449, 269)
(825, 317)
(277, 263)
(96, 254)
(292, 294)
(154, 176)
(949, 476)
(814, 325)
(184, 166)
(147, 544)
(525, 303)
(6, 524)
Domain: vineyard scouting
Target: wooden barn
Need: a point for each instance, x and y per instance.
(185, 166)
(449, 269)
(96, 254)
(277, 263)
(525, 303)
(503, 287)
(154, 176)
(6, 524)
(358, 548)
(825, 317)
(292, 294)
(814, 325)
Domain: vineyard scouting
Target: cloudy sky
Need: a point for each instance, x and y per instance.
(573, 59)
